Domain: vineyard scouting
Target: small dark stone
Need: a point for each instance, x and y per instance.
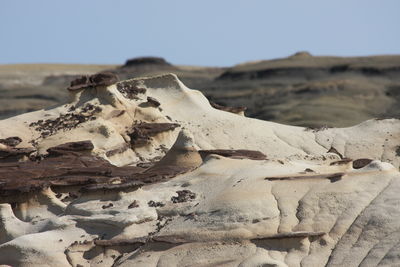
(183, 196)
(107, 206)
(154, 204)
(134, 204)
(153, 102)
(335, 178)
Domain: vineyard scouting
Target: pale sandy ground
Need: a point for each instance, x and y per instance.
(283, 211)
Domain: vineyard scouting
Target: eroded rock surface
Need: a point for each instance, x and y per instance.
(121, 182)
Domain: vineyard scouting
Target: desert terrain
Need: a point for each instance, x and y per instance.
(148, 172)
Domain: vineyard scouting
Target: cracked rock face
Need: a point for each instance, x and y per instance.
(121, 182)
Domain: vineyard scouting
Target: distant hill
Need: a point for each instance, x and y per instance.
(301, 90)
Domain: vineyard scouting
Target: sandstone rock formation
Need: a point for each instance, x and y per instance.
(111, 180)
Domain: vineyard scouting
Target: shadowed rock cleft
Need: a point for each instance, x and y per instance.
(229, 153)
(361, 163)
(343, 161)
(334, 150)
(398, 151)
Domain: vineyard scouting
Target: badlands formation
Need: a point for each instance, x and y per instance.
(302, 89)
(146, 172)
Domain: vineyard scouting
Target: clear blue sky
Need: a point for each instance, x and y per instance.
(201, 32)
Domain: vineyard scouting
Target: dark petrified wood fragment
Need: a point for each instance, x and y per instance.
(130, 89)
(98, 79)
(137, 179)
(107, 206)
(155, 204)
(287, 235)
(183, 196)
(116, 113)
(67, 165)
(235, 110)
(70, 164)
(341, 162)
(70, 147)
(153, 102)
(66, 121)
(79, 83)
(333, 177)
(118, 150)
(103, 79)
(360, 163)
(15, 153)
(142, 133)
(241, 153)
(11, 141)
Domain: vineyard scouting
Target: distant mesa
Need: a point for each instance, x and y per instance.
(301, 54)
(139, 61)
